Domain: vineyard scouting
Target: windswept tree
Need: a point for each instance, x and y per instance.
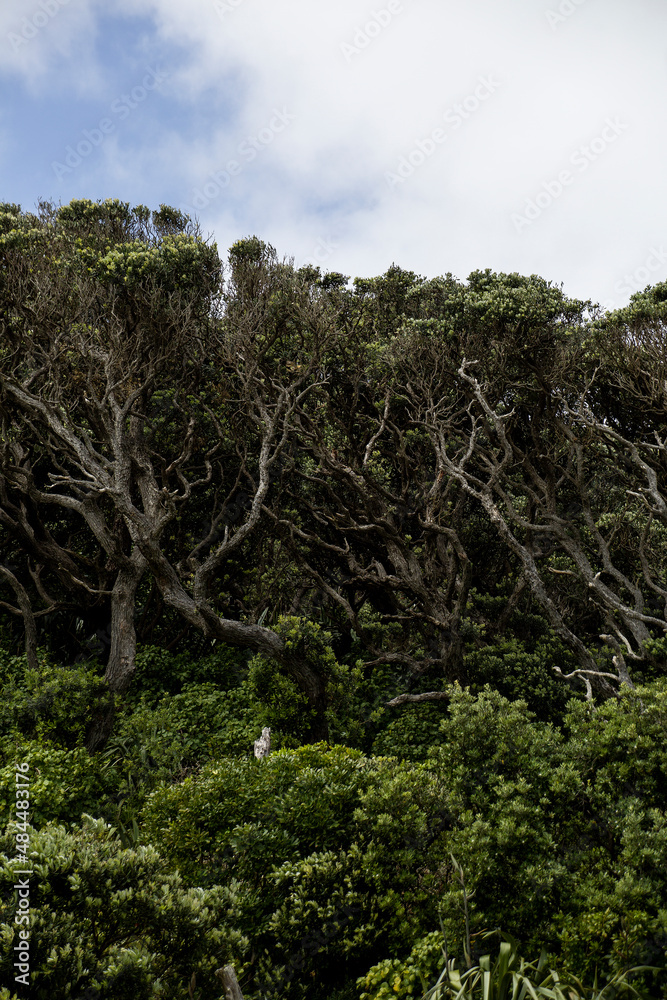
(413, 462)
(460, 412)
(396, 480)
(570, 479)
(135, 385)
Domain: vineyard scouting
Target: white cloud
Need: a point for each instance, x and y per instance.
(356, 114)
(39, 36)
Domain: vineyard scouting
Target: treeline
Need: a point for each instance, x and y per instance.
(421, 464)
(375, 514)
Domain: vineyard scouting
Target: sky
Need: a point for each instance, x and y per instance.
(444, 136)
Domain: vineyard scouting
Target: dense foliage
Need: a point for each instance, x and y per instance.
(415, 527)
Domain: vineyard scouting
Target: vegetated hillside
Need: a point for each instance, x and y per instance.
(416, 527)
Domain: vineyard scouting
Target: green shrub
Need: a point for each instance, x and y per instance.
(616, 841)
(509, 784)
(214, 722)
(111, 923)
(63, 784)
(159, 672)
(509, 977)
(254, 814)
(164, 743)
(183, 731)
(285, 708)
(562, 835)
(282, 706)
(412, 732)
(333, 850)
(410, 977)
(523, 670)
(58, 703)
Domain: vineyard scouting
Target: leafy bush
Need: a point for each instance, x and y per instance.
(616, 840)
(328, 845)
(162, 744)
(413, 730)
(185, 730)
(63, 783)
(247, 815)
(55, 702)
(111, 923)
(523, 670)
(285, 708)
(504, 772)
(509, 977)
(396, 978)
(562, 835)
(332, 860)
(159, 672)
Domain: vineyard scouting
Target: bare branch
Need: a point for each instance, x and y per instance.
(402, 699)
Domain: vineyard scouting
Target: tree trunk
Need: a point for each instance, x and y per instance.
(23, 601)
(230, 983)
(121, 664)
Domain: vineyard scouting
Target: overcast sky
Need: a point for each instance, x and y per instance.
(440, 135)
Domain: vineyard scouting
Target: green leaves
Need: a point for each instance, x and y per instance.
(64, 783)
(55, 703)
(178, 262)
(309, 832)
(507, 976)
(510, 977)
(114, 920)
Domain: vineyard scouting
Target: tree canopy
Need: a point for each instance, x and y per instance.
(417, 529)
(192, 447)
